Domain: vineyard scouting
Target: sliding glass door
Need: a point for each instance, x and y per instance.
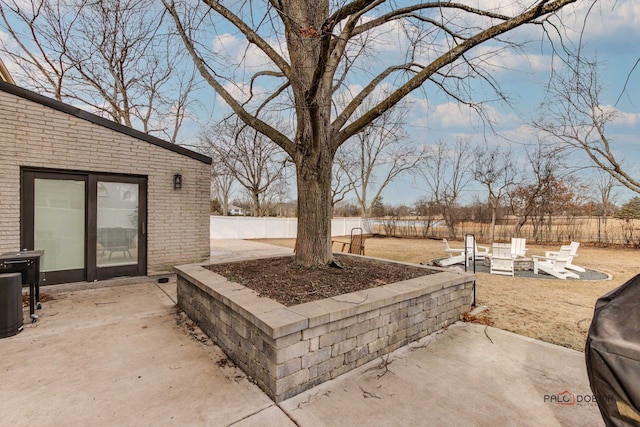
(91, 226)
(59, 224)
(117, 220)
(120, 226)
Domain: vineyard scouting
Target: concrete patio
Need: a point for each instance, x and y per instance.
(121, 354)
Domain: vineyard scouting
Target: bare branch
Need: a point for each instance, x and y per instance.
(539, 10)
(574, 117)
(253, 121)
(251, 35)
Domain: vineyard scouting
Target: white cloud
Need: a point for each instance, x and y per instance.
(453, 116)
(622, 118)
(507, 60)
(522, 134)
(612, 18)
(609, 26)
(506, 7)
(234, 51)
(241, 91)
(224, 44)
(627, 119)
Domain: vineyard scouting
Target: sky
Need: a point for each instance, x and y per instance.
(611, 33)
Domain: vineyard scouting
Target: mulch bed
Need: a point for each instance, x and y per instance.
(282, 280)
(43, 298)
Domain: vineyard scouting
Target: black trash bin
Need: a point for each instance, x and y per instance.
(11, 319)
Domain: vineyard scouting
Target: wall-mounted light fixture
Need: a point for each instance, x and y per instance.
(177, 181)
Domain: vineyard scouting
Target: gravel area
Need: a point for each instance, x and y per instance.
(587, 275)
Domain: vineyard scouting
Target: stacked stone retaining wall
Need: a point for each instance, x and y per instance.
(288, 350)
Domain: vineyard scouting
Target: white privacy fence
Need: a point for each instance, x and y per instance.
(243, 227)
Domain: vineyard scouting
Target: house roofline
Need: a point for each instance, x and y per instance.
(100, 121)
(4, 73)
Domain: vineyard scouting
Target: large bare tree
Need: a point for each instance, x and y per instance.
(116, 57)
(302, 53)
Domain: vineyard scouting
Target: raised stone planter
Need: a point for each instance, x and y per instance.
(287, 350)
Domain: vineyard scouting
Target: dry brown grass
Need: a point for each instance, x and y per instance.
(555, 311)
(582, 229)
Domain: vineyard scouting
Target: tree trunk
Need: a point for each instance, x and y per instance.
(313, 244)
(521, 222)
(449, 222)
(312, 88)
(492, 235)
(256, 204)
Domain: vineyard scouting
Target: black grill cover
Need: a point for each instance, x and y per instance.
(613, 355)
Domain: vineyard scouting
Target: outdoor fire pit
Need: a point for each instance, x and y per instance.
(519, 264)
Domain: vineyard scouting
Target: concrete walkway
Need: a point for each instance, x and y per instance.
(123, 355)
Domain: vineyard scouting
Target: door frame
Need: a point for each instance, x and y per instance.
(140, 268)
(27, 220)
(91, 272)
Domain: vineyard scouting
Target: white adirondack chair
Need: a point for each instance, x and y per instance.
(455, 255)
(518, 248)
(555, 266)
(502, 259)
(574, 253)
(473, 250)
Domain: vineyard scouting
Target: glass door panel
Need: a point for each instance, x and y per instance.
(59, 223)
(117, 224)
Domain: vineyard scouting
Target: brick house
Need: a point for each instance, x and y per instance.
(103, 200)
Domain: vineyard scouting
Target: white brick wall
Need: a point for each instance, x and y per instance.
(33, 135)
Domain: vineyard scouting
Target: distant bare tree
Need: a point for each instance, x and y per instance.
(607, 193)
(250, 157)
(606, 197)
(340, 187)
(377, 155)
(629, 212)
(548, 190)
(222, 185)
(448, 170)
(277, 194)
(426, 211)
(346, 208)
(495, 171)
(529, 195)
(117, 57)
